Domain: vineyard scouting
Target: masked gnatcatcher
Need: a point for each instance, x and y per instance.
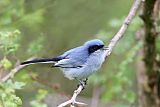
(80, 62)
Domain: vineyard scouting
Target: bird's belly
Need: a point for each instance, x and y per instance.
(86, 70)
(78, 73)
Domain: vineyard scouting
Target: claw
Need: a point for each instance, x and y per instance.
(83, 83)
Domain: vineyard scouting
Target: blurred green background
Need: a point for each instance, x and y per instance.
(46, 28)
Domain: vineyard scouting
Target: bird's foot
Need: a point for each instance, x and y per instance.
(83, 83)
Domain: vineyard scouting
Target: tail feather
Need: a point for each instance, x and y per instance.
(45, 60)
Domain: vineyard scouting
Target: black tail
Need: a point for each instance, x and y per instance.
(45, 60)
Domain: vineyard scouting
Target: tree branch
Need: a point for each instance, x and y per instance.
(111, 45)
(124, 26)
(73, 101)
(14, 71)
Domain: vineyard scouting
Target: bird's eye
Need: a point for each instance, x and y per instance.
(94, 48)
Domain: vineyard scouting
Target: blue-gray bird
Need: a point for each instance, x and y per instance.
(80, 62)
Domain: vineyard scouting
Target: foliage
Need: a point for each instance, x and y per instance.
(13, 15)
(9, 41)
(6, 63)
(39, 97)
(122, 78)
(9, 45)
(8, 96)
(35, 46)
(10, 13)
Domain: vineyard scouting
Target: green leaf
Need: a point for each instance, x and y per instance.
(41, 94)
(6, 63)
(19, 85)
(8, 95)
(129, 96)
(35, 46)
(9, 41)
(39, 97)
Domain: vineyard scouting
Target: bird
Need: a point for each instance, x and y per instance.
(78, 63)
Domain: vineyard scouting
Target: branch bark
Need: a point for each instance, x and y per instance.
(111, 45)
(14, 71)
(73, 101)
(124, 26)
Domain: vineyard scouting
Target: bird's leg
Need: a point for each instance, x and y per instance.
(82, 83)
(85, 81)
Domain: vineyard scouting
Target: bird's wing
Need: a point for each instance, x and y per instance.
(67, 63)
(74, 58)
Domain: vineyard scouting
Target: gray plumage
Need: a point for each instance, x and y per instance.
(78, 63)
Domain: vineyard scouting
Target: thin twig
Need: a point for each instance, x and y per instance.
(14, 71)
(124, 26)
(73, 101)
(112, 44)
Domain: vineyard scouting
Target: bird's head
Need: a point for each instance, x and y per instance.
(95, 45)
